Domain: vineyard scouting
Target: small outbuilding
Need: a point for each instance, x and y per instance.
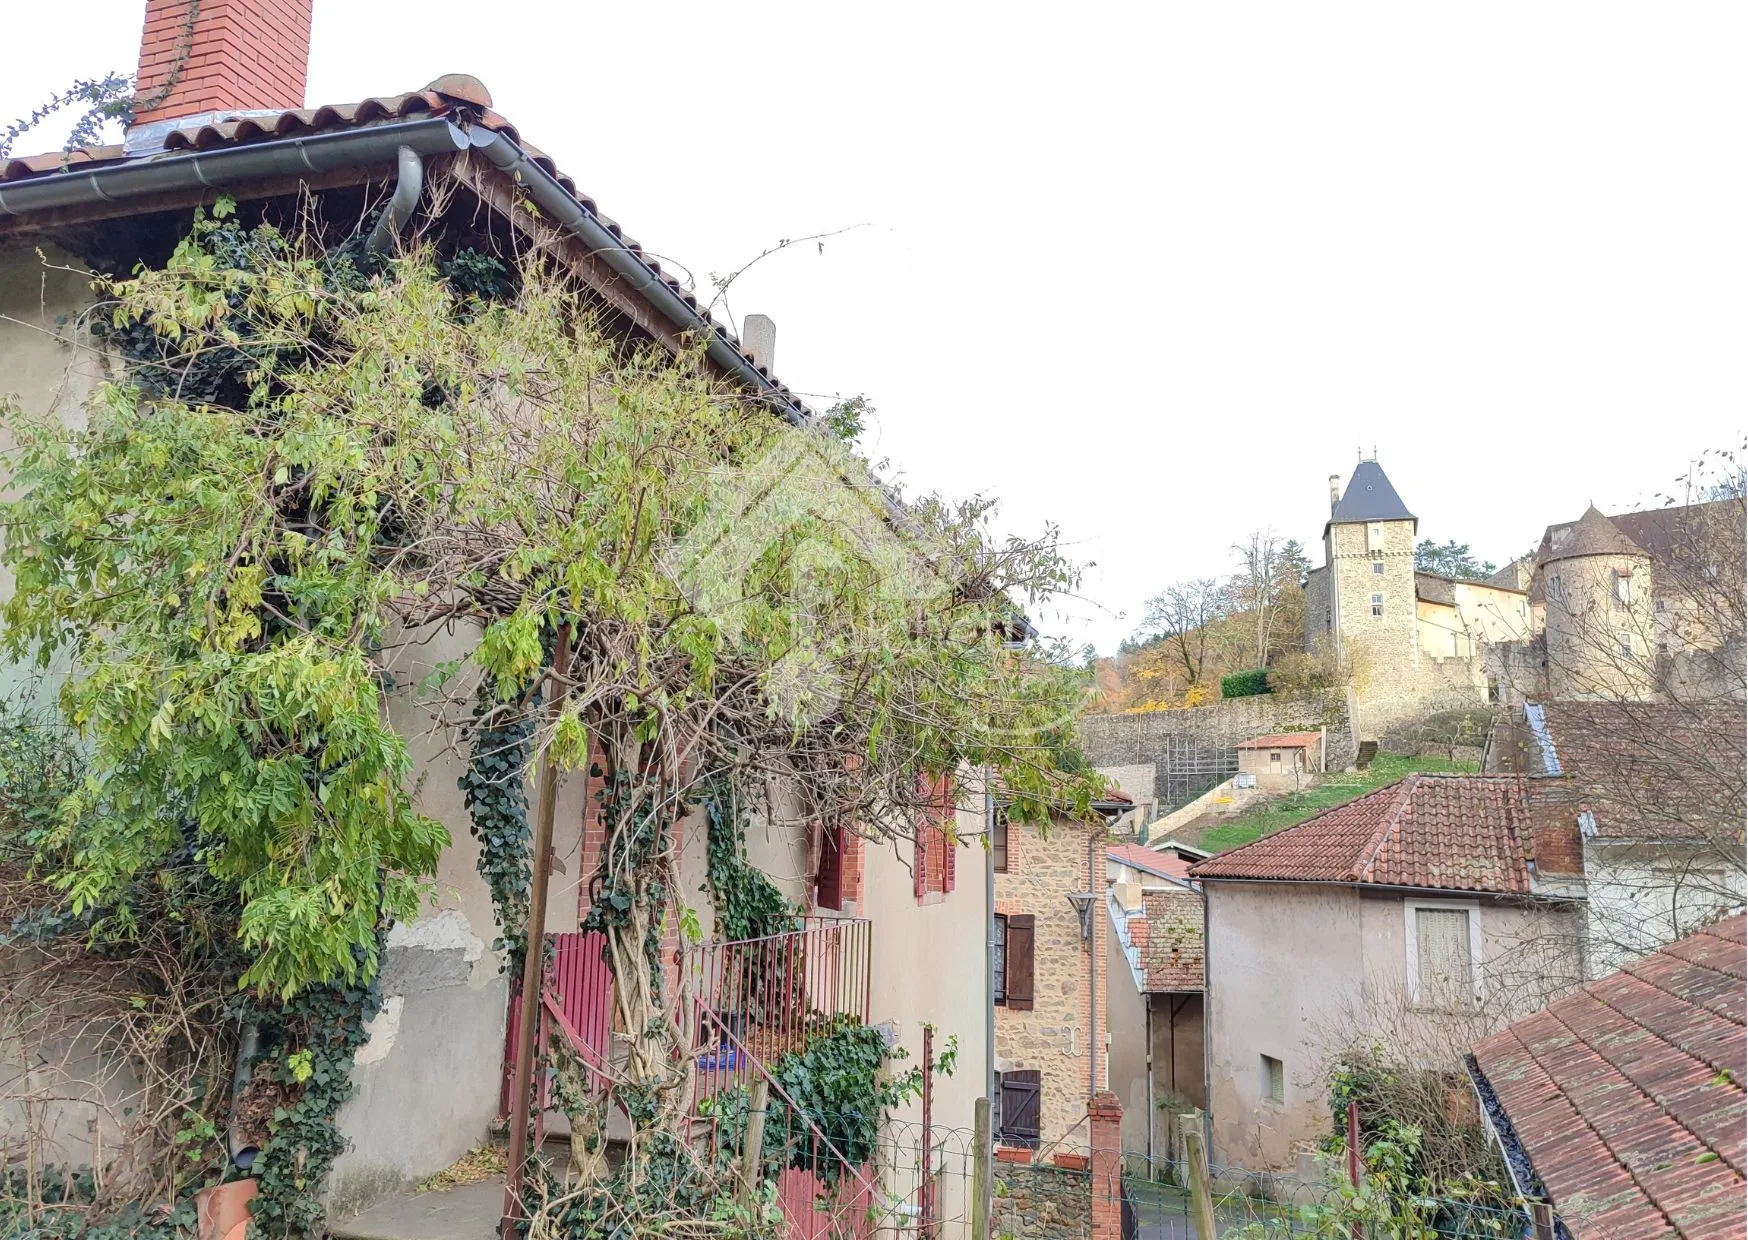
(1281, 759)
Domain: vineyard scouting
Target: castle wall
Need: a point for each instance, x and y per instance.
(1597, 645)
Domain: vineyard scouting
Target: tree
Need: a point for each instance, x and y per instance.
(1182, 615)
(1450, 560)
(312, 469)
(1256, 588)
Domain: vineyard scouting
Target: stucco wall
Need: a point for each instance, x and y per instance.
(1644, 896)
(1297, 971)
(1052, 1038)
(1126, 1014)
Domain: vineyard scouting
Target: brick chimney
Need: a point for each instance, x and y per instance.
(1556, 841)
(235, 56)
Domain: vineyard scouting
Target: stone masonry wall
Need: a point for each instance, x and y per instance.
(1041, 1203)
(1395, 682)
(1052, 1038)
(1124, 740)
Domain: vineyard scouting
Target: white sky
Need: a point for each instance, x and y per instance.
(1152, 272)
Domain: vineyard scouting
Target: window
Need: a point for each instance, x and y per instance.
(1014, 934)
(1377, 605)
(1375, 536)
(1442, 957)
(1623, 589)
(998, 840)
(1626, 645)
(1019, 1108)
(1662, 605)
(1274, 1079)
(1274, 757)
(1556, 590)
(1377, 567)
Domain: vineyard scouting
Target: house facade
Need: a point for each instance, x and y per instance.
(1154, 1001)
(1282, 761)
(1414, 914)
(1050, 981)
(429, 1082)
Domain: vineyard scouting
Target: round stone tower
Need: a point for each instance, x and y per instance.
(1600, 631)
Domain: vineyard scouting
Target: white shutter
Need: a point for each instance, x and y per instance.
(1447, 979)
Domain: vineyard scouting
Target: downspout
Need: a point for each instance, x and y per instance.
(1147, 1024)
(409, 183)
(1092, 967)
(248, 1046)
(989, 975)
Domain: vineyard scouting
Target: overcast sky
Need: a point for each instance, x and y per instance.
(1152, 272)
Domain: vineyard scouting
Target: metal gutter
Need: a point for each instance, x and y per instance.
(582, 223)
(232, 165)
(383, 144)
(1524, 1180)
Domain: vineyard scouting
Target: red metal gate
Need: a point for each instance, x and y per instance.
(580, 986)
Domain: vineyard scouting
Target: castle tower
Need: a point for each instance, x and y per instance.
(1596, 585)
(1368, 547)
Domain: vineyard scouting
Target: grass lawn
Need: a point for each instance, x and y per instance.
(1336, 789)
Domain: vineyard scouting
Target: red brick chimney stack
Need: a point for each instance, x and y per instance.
(238, 56)
(1556, 840)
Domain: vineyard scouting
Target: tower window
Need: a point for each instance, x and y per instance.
(1377, 604)
(1375, 536)
(1623, 589)
(1626, 645)
(1377, 566)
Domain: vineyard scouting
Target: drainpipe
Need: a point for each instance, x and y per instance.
(989, 931)
(1092, 965)
(408, 185)
(248, 1046)
(1147, 1009)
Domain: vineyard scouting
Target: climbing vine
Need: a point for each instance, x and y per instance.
(748, 904)
(319, 460)
(494, 790)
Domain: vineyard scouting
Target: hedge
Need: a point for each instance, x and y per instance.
(1245, 684)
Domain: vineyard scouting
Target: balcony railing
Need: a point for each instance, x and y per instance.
(773, 993)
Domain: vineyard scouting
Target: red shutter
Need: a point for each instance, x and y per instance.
(920, 856)
(949, 852)
(829, 886)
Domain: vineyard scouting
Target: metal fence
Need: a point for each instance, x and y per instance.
(1052, 1200)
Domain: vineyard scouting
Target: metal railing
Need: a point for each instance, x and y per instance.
(773, 993)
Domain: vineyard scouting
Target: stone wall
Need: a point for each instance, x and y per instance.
(1052, 1038)
(1042, 1203)
(1129, 740)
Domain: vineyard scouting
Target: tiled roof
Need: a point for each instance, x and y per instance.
(1443, 832)
(1433, 588)
(1649, 770)
(1627, 1096)
(1167, 865)
(459, 96)
(1370, 497)
(1592, 534)
(1171, 946)
(1282, 740)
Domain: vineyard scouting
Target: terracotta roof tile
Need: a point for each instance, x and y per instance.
(1627, 1096)
(1170, 865)
(1447, 832)
(1652, 770)
(456, 95)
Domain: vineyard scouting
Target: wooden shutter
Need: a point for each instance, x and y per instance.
(1446, 971)
(829, 886)
(1019, 972)
(1022, 1108)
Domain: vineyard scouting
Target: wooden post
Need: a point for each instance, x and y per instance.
(1353, 1155)
(1196, 1155)
(1542, 1220)
(982, 1172)
(534, 951)
(753, 1148)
